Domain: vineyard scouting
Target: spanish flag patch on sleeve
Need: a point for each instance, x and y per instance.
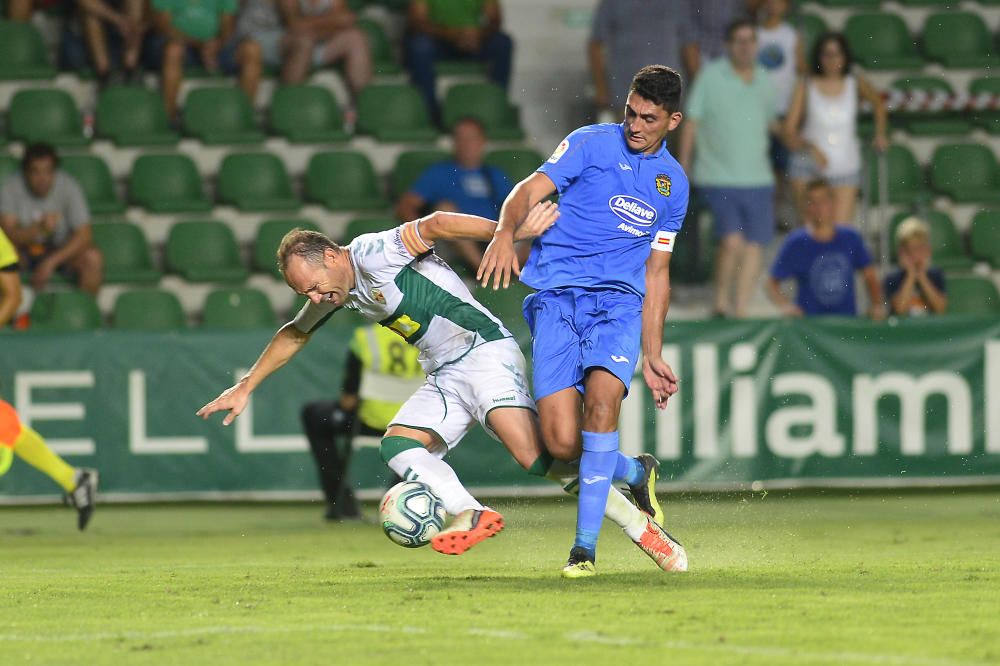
(664, 241)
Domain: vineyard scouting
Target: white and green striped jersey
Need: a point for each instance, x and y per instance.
(401, 284)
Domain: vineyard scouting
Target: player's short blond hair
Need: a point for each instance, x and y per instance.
(912, 228)
(310, 245)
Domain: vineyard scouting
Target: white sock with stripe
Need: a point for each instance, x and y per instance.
(418, 464)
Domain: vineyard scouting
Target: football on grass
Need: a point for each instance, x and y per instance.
(411, 514)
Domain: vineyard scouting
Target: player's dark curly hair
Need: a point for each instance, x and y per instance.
(816, 58)
(660, 85)
(38, 151)
(310, 245)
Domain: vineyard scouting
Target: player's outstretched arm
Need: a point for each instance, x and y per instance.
(500, 259)
(283, 346)
(658, 374)
(450, 226)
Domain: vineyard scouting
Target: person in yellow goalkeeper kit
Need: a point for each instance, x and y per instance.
(16, 438)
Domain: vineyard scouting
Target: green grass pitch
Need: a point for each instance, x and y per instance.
(822, 578)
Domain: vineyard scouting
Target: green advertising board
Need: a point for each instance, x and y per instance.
(804, 402)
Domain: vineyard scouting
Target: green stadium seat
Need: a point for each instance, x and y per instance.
(972, 295)
(23, 54)
(255, 182)
(507, 306)
(167, 184)
(343, 180)
(64, 311)
(906, 178)
(811, 27)
(220, 115)
(127, 258)
(410, 165)
(131, 116)
(959, 40)
(380, 47)
(864, 4)
(94, 178)
(931, 123)
(148, 310)
(307, 114)
(48, 115)
(946, 242)
(394, 113)
(928, 3)
(517, 163)
(984, 237)
(367, 225)
(204, 252)
(968, 173)
(988, 119)
(8, 165)
(881, 41)
(487, 102)
(269, 236)
(244, 308)
(694, 263)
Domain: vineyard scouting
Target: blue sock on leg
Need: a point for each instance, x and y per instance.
(597, 467)
(628, 469)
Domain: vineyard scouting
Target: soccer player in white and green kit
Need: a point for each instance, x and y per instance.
(475, 369)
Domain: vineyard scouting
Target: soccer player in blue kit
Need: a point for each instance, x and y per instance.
(602, 280)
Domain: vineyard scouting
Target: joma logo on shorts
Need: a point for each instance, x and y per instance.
(632, 210)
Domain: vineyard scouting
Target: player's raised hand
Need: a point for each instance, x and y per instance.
(499, 261)
(542, 216)
(233, 399)
(661, 380)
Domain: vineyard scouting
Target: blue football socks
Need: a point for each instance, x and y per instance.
(597, 467)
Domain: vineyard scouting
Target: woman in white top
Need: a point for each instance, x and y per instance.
(822, 126)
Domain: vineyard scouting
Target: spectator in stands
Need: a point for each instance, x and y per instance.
(100, 48)
(463, 184)
(822, 257)
(620, 46)
(710, 20)
(10, 280)
(20, 10)
(781, 51)
(916, 287)
(448, 30)
(44, 214)
(191, 32)
(822, 125)
(730, 112)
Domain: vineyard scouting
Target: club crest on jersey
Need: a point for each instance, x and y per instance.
(663, 184)
(632, 210)
(559, 151)
(378, 296)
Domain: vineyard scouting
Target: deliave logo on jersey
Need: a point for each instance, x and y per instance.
(632, 210)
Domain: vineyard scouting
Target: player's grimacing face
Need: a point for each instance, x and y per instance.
(647, 123)
(319, 282)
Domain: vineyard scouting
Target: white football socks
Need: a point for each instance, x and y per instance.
(419, 465)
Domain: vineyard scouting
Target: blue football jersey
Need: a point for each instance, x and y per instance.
(615, 206)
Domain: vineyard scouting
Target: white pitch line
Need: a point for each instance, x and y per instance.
(572, 637)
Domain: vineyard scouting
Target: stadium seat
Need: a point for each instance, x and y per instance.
(269, 236)
(881, 41)
(972, 294)
(48, 115)
(507, 304)
(148, 310)
(968, 173)
(220, 115)
(64, 311)
(307, 114)
(410, 165)
(460, 68)
(811, 27)
(906, 178)
(394, 113)
(22, 53)
(94, 178)
(864, 4)
(237, 309)
(380, 47)
(517, 163)
(367, 225)
(343, 180)
(984, 237)
(694, 263)
(8, 165)
(131, 116)
(126, 253)
(204, 252)
(931, 123)
(959, 40)
(946, 242)
(988, 119)
(167, 184)
(486, 102)
(255, 182)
